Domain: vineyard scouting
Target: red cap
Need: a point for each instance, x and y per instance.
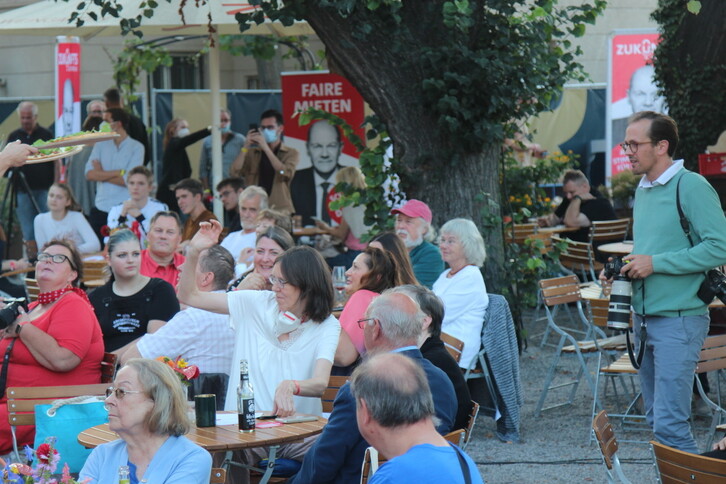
(414, 208)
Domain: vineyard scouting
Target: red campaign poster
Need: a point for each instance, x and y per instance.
(323, 151)
(631, 89)
(67, 86)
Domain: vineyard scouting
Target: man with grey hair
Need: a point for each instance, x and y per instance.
(413, 227)
(395, 413)
(242, 242)
(393, 324)
(232, 144)
(201, 337)
(31, 180)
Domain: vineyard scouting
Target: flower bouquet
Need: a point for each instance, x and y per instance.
(47, 458)
(184, 370)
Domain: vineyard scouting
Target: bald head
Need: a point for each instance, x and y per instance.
(399, 318)
(324, 147)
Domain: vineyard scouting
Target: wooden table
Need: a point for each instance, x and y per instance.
(617, 248)
(225, 438)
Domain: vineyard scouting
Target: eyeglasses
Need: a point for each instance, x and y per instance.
(361, 322)
(120, 392)
(633, 145)
(276, 281)
(56, 258)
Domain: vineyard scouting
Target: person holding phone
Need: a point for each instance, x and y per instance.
(266, 161)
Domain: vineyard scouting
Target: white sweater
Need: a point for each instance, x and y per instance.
(74, 226)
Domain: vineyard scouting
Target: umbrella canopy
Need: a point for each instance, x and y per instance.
(50, 18)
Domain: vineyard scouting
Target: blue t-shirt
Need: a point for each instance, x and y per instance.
(424, 464)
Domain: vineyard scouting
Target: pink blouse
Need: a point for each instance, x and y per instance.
(354, 310)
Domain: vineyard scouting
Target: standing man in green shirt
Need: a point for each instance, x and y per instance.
(667, 271)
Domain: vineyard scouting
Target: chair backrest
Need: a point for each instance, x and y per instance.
(599, 311)
(713, 354)
(31, 286)
(94, 270)
(676, 466)
(108, 367)
(577, 257)
(609, 230)
(371, 461)
(470, 423)
(605, 437)
(456, 437)
(453, 345)
(517, 233)
(329, 394)
(218, 476)
(560, 290)
(22, 400)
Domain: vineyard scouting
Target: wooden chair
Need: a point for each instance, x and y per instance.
(453, 345)
(470, 423)
(566, 290)
(518, 233)
(31, 287)
(219, 476)
(22, 401)
(372, 460)
(605, 437)
(713, 358)
(579, 259)
(94, 273)
(108, 367)
(677, 467)
(609, 231)
(334, 384)
(456, 437)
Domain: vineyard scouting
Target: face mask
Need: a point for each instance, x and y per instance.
(270, 135)
(286, 323)
(226, 129)
(182, 132)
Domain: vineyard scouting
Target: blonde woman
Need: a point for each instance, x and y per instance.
(64, 220)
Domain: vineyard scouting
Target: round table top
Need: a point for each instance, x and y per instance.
(221, 437)
(617, 248)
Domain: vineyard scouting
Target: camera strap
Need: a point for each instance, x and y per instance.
(637, 360)
(6, 363)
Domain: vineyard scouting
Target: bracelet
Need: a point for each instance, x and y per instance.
(297, 388)
(12, 265)
(244, 150)
(123, 172)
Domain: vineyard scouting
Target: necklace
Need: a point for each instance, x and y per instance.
(452, 273)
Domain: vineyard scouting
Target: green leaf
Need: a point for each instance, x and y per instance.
(694, 6)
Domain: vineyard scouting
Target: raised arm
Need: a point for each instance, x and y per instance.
(188, 292)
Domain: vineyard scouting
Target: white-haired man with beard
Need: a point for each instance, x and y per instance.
(242, 243)
(413, 226)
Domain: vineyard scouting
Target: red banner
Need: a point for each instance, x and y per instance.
(322, 149)
(67, 86)
(631, 89)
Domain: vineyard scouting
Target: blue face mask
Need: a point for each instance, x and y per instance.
(270, 135)
(226, 129)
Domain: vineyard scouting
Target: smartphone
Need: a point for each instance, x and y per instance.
(253, 127)
(267, 417)
(296, 419)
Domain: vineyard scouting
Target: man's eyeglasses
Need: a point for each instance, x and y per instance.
(633, 145)
(362, 322)
(56, 258)
(120, 392)
(276, 281)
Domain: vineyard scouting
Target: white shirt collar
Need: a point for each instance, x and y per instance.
(663, 178)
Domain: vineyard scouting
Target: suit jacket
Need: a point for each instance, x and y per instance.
(337, 455)
(304, 193)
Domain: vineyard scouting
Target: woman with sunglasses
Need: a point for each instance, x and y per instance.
(57, 340)
(147, 408)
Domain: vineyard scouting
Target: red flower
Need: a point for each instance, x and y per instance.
(43, 453)
(105, 231)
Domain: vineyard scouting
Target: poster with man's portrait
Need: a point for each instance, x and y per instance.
(631, 89)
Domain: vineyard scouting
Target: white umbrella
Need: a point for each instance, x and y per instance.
(50, 18)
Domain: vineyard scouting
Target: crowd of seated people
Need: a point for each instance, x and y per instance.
(166, 298)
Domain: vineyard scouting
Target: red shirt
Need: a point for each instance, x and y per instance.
(170, 273)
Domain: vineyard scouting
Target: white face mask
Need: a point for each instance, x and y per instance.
(286, 322)
(182, 132)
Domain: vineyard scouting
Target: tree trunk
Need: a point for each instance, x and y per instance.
(268, 72)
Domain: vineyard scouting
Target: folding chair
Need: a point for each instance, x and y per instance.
(609, 231)
(518, 233)
(329, 394)
(605, 437)
(456, 437)
(565, 290)
(453, 345)
(21, 402)
(218, 476)
(372, 460)
(579, 259)
(108, 367)
(31, 287)
(677, 467)
(713, 358)
(470, 423)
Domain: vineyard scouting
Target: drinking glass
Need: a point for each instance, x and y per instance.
(339, 283)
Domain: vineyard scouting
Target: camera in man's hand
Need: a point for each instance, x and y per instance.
(713, 286)
(10, 312)
(620, 295)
